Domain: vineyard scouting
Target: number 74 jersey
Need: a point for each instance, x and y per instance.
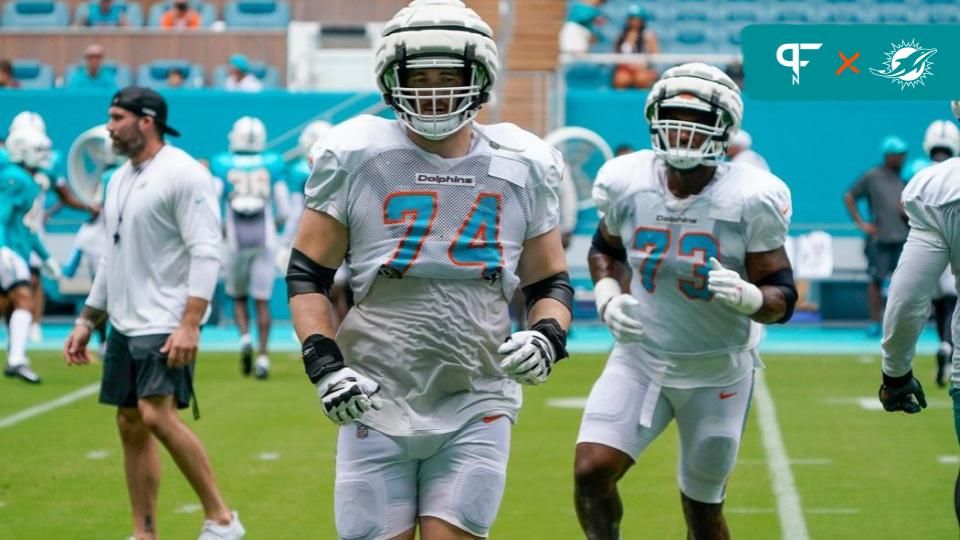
(669, 243)
(412, 213)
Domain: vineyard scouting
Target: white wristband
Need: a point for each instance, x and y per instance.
(604, 291)
(86, 323)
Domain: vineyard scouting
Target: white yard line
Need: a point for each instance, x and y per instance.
(792, 524)
(37, 410)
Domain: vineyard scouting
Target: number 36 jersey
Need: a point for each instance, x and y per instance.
(433, 250)
(669, 243)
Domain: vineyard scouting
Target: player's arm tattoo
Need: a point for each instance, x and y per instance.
(148, 523)
(603, 265)
(93, 315)
(763, 264)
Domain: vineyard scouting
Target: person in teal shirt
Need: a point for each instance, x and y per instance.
(19, 194)
(256, 203)
(105, 13)
(93, 74)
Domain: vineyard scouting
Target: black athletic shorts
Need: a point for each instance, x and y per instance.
(135, 368)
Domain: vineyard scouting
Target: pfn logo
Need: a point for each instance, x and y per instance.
(794, 62)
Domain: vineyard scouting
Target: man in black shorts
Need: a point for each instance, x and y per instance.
(155, 282)
(881, 187)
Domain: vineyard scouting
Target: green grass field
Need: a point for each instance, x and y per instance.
(859, 473)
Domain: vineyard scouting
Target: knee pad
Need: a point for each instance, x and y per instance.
(477, 497)
(359, 508)
(704, 473)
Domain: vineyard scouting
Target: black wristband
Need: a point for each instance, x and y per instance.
(320, 357)
(555, 334)
(896, 382)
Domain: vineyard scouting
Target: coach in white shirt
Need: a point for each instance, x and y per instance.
(155, 283)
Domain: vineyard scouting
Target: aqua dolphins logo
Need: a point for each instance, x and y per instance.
(907, 64)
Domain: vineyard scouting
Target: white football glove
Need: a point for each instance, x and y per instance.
(618, 311)
(52, 268)
(729, 288)
(529, 357)
(346, 395)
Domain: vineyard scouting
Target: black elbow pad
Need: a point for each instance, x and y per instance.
(305, 276)
(600, 245)
(557, 286)
(783, 280)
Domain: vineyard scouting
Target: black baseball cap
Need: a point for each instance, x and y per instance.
(144, 102)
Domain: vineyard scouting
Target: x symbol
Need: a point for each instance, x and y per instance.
(848, 63)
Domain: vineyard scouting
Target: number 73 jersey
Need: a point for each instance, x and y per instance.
(669, 243)
(413, 213)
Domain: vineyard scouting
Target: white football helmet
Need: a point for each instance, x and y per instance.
(30, 148)
(942, 134)
(248, 135)
(312, 133)
(436, 34)
(700, 87)
(28, 119)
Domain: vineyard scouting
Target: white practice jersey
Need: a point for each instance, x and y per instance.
(932, 203)
(433, 253)
(669, 242)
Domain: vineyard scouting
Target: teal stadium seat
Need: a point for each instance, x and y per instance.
(256, 13)
(892, 14)
(589, 76)
(33, 74)
(122, 72)
(844, 14)
(35, 14)
(154, 74)
(940, 16)
(691, 38)
(269, 76)
(208, 12)
(939, 11)
(133, 10)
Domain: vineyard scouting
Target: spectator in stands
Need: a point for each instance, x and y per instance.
(635, 38)
(578, 32)
(886, 233)
(104, 13)
(240, 78)
(180, 16)
(176, 78)
(6, 75)
(92, 74)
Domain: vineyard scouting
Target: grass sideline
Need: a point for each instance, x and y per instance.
(860, 473)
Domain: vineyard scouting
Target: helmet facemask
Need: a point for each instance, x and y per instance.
(432, 111)
(676, 139)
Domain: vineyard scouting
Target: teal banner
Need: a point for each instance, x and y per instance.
(852, 62)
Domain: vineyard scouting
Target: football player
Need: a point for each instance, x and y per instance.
(932, 203)
(439, 219)
(256, 203)
(941, 141)
(28, 153)
(49, 176)
(703, 243)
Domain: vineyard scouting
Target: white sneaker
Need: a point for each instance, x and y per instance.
(261, 369)
(214, 531)
(36, 334)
